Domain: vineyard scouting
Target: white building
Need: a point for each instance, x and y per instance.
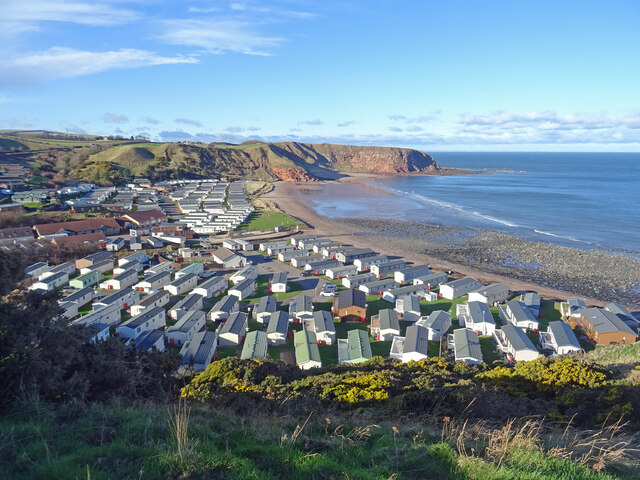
(212, 287)
(414, 346)
(278, 328)
(515, 344)
(224, 308)
(156, 299)
(408, 306)
(250, 272)
(385, 325)
(200, 351)
(191, 302)
(458, 288)
(324, 327)
(560, 338)
(243, 289)
(152, 319)
(279, 282)
(476, 316)
(182, 285)
(184, 330)
(233, 331)
(516, 313)
(120, 281)
(490, 294)
(437, 324)
(262, 312)
(466, 346)
(154, 282)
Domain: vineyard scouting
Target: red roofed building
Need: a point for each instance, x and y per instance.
(145, 218)
(80, 239)
(105, 226)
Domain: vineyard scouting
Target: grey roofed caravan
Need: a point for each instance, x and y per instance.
(416, 340)
(563, 335)
(278, 323)
(517, 338)
(466, 346)
(623, 314)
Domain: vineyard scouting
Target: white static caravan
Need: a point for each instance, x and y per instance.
(278, 328)
(52, 282)
(191, 302)
(408, 306)
(231, 245)
(365, 263)
(360, 279)
(159, 268)
(560, 339)
(122, 280)
(153, 282)
(244, 289)
(182, 285)
(349, 256)
(490, 294)
(115, 245)
(71, 302)
(432, 280)
(35, 270)
(109, 315)
(140, 257)
(301, 308)
(102, 266)
(212, 287)
(67, 267)
(264, 246)
(466, 346)
(516, 313)
(279, 282)
(137, 266)
(195, 268)
(121, 298)
(385, 325)
(515, 344)
(150, 340)
(233, 331)
(300, 262)
(250, 272)
(265, 308)
(378, 287)
(393, 294)
(389, 268)
(149, 320)
(437, 324)
(156, 299)
(414, 346)
(324, 327)
(246, 246)
(224, 308)
(271, 251)
(476, 316)
(458, 288)
(406, 275)
(287, 256)
(341, 271)
(184, 330)
(200, 351)
(304, 238)
(306, 350)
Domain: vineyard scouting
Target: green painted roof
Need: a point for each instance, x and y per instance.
(359, 346)
(306, 347)
(255, 345)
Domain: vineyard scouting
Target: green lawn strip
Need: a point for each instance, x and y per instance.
(268, 220)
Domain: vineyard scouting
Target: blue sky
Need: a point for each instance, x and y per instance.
(445, 75)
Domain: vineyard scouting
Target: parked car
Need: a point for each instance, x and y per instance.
(329, 289)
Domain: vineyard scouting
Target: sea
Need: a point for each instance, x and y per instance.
(586, 200)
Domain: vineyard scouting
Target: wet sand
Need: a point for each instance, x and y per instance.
(554, 272)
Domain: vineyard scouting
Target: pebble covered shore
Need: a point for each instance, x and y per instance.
(605, 275)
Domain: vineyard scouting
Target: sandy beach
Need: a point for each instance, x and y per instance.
(440, 247)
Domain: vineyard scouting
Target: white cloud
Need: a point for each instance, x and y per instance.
(25, 15)
(188, 121)
(218, 36)
(60, 62)
(115, 118)
(315, 121)
(151, 120)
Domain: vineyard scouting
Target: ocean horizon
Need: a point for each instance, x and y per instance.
(584, 200)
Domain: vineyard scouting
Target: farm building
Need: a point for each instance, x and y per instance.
(184, 330)
(356, 348)
(255, 345)
(385, 325)
(458, 288)
(306, 350)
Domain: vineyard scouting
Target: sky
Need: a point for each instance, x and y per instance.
(461, 75)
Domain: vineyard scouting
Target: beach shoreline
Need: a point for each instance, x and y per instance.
(394, 238)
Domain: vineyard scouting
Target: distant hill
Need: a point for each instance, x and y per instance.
(105, 161)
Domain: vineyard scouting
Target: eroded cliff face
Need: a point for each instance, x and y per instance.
(293, 175)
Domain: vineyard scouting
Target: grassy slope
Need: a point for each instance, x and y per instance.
(100, 442)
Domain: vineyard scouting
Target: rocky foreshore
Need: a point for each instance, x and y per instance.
(608, 276)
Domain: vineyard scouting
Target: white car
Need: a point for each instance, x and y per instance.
(329, 289)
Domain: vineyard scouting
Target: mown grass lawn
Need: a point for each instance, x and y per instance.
(268, 220)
